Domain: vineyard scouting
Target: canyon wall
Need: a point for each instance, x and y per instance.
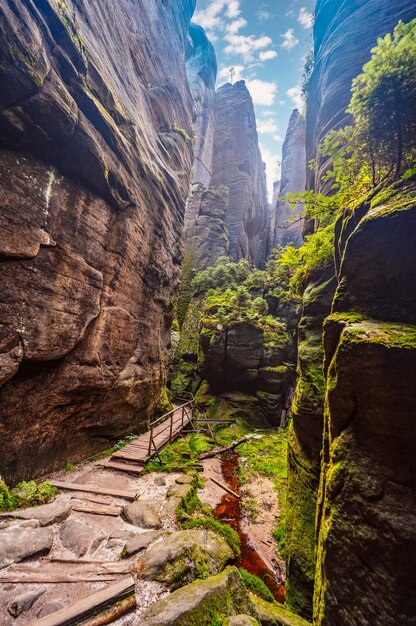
(361, 402)
(287, 225)
(344, 34)
(96, 160)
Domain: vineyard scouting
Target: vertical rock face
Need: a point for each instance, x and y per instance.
(344, 34)
(93, 180)
(366, 517)
(239, 167)
(286, 228)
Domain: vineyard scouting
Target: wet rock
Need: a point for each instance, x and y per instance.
(137, 543)
(46, 514)
(79, 537)
(184, 556)
(142, 514)
(241, 620)
(24, 602)
(197, 603)
(18, 543)
(160, 481)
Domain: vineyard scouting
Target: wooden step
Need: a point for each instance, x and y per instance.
(89, 605)
(123, 467)
(112, 511)
(103, 491)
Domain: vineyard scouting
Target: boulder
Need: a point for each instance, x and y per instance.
(184, 556)
(142, 514)
(201, 602)
(79, 537)
(185, 479)
(137, 543)
(275, 614)
(159, 481)
(18, 543)
(181, 491)
(24, 602)
(46, 514)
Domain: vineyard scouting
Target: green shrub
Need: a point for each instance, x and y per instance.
(26, 494)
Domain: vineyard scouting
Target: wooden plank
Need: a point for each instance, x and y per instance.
(217, 482)
(57, 578)
(87, 606)
(123, 467)
(103, 491)
(113, 511)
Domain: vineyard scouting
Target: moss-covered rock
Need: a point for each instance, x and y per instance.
(185, 556)
(275, 614)
(202, 602)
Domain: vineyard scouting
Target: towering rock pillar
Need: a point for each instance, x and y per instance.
(238, 166)
(287, 225)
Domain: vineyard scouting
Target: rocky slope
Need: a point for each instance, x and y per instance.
(344, 34)
(95, 170)
(286, 227)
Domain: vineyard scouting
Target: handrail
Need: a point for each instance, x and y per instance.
(165, 417)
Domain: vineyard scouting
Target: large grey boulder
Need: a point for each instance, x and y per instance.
(18, 543)
(46, 514)
(201, 602)
(184, 556)
(79, 537)
(142, 514)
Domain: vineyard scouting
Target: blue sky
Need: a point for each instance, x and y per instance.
(266, 43)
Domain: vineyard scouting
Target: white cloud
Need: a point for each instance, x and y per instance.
(236, 25)
(282, 103)
(272, 168)
(267, 126)
(262, 92)
(246, 45)
(213, 17)
(266, 55)
(295, 94)
(305, 18)
(289, 39)
(233, 8)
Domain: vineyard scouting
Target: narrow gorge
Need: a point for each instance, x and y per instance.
(207, 362)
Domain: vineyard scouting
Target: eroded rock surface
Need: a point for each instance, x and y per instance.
(287, 223)
(18, 543)
(93, 174)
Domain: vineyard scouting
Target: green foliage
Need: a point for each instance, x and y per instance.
(181, 131)
(69, 466)
(297, 264)
(123, 442)
(25, 495)
(228, 533)
(256, 585)
(182, 453)
(226, 272)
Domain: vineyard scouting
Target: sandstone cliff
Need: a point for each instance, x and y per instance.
(94, 174)
(238, 166)
(344, 34)
(287, 225)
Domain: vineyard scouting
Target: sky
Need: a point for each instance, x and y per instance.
(266, 43)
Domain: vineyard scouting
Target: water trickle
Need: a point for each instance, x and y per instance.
(229, 512)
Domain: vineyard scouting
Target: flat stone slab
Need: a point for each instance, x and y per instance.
(142, 514)
(45, 514)
(79, 537)
(18, 543)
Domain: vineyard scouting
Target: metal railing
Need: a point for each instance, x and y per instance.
(187, 411)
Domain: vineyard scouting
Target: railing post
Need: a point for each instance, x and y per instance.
(150, 440)
(183, 415)
(171, 426)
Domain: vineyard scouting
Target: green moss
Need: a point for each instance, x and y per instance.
(182, 453)
(401, 336)
(182, 132)
(274, 614)
(350, 318)
(26, 494)
(228, 533)
(256, 585)
(164, 405)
